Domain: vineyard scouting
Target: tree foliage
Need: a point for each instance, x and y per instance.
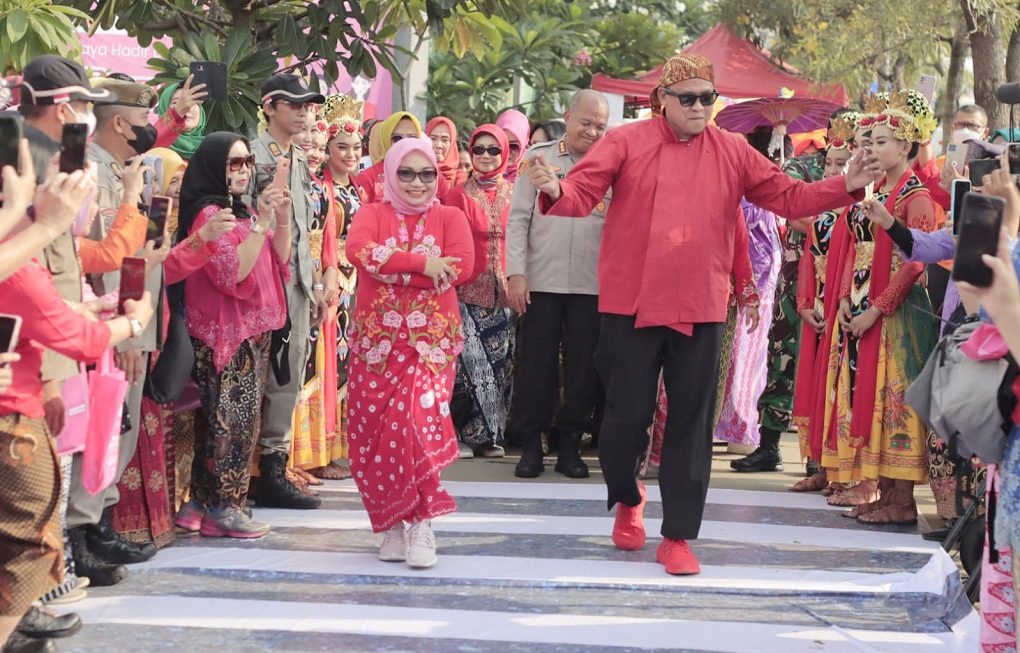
(313, 37)
(554, 48)
(29, 28)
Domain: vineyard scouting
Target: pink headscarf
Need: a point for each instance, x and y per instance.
(504, 144)
(394, 158)
(517, 124)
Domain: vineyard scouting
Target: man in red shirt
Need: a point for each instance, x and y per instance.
(664, 280)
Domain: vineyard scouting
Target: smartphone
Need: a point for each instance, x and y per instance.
(10, 141)
(132, 280)
(980, 224)
(980, 168)
(73, 140)
(281, 179)
(10, 327)
(159, 209)
(1013, 156)
(926, 86)
(959, 190)
(956, 153)
(214, 75)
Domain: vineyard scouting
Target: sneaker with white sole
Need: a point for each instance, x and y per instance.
(190, 516)
(421, 545)
(231, 521)
(394, 544)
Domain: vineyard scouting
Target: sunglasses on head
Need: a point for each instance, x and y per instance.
(235, 163)
(688, 99)
(407, 175)
(491, 150)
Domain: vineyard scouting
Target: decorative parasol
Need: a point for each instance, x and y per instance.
(793, 115)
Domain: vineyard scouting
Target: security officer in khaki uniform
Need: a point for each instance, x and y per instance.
(285, 103)
(122, 132)
(552, 273)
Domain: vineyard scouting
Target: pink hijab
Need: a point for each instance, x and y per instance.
(517, 124)
(496, 132)
(394, 158)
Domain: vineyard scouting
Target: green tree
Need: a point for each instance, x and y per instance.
(313, 37)
(29, 28)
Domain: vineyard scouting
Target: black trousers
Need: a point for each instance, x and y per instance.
(554, 319)
(629, 360)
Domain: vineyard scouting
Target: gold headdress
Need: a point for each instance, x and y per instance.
(841, 133)
(341, 112)
(907, 113)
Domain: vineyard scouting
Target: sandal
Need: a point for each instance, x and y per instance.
(898, 514)
(835, 488)
(862, 509)
(332, 472)
(810, 484)
(309, 479)
(299, 482)
(864, 492)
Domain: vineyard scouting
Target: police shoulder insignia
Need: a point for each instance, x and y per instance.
(275, 150)
(117, 170)
(563, 147)
(522, 166)
(601, 206)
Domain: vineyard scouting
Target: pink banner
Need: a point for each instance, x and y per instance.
(109, 52)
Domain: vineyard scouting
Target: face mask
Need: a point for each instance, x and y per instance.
(144, 140)
(962, 135)
(89, 119)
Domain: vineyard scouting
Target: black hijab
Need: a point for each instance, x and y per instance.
(205, 182)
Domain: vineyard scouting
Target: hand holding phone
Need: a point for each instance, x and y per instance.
(980, 168)
(980, 224)
(132, 281)
(10, 329)
(159, 209)
(73, 141)
(214, 75)
(958, 191)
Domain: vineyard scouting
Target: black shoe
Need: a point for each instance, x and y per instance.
(110, 547)
(275, 491)
(938, 534)
(40, 624)
(18, 643)
(531, 464)
(811, 468)
(568, 459)
(86, 563)
(760, 460)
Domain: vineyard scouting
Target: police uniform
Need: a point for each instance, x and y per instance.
(559, 257)
(84, 508)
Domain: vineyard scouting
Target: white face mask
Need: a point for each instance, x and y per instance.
(963, 135)
(89, 119)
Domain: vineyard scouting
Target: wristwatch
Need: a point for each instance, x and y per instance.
(258, 229)
(136, 327)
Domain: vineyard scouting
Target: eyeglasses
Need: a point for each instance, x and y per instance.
(492, 150)
(236, 163)
(407, 175)
(688, 99)
(968, 125)
(297, 106)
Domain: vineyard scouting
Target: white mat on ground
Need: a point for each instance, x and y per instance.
(566, 629)
(510, 523)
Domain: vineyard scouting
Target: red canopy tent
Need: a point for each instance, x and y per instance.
(742, 70)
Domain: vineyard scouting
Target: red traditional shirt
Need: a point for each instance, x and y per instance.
(667, 249)
(46, 321)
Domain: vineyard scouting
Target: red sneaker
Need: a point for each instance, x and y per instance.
(677, 557)
(629, 528)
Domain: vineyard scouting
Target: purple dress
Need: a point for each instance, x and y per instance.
(748, 373)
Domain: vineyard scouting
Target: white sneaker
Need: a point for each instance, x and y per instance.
(421, 546)
(394, 545)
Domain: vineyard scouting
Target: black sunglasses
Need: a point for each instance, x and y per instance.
(688, 99)
(492, 150)
(407, 175)
(238, 162)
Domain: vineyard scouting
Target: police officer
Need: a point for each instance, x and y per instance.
(552, 271)
(122, 132)
(285, 103)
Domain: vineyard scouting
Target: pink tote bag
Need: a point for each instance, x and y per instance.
(76, 414)
(107, 388)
